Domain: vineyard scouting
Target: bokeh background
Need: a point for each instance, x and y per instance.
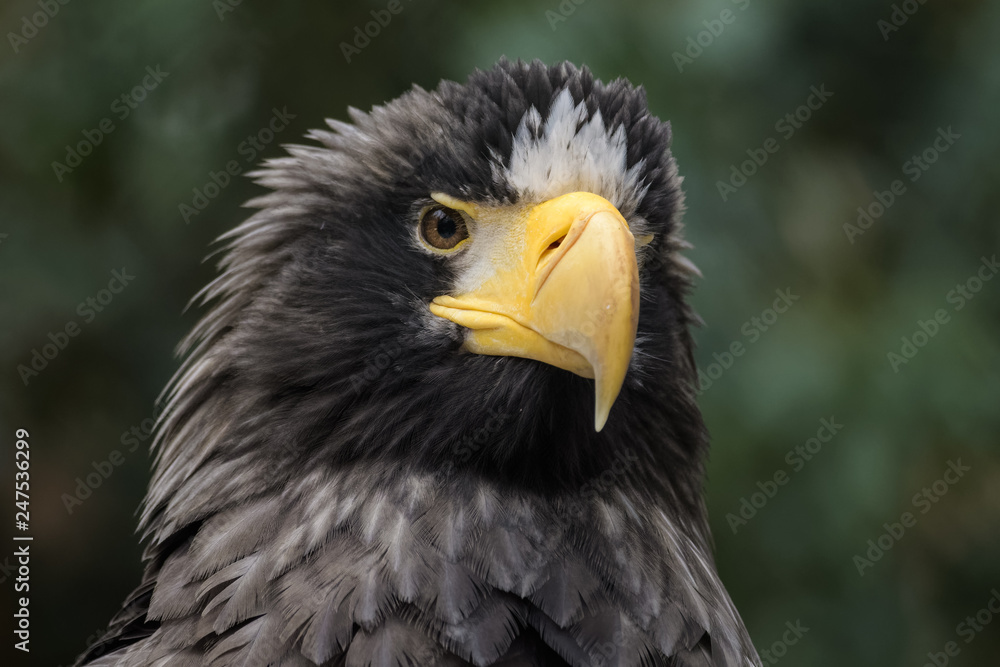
(230, 66)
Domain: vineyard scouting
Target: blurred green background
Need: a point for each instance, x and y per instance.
(825, 357)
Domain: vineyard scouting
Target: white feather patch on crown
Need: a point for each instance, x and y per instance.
(557, 158)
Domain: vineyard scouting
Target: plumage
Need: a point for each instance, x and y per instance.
(338, 482)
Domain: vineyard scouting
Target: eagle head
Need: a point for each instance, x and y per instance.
(442, 407)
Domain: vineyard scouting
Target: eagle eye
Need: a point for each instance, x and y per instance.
(443, 228)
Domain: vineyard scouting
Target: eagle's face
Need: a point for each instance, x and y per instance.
(486, 275)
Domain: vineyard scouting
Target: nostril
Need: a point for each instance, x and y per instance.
(550, 250)
(555, 250)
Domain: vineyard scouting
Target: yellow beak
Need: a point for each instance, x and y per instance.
(562, 288)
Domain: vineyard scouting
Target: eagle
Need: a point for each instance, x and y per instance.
(442, 407)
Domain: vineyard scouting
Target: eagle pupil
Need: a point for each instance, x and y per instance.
(446, 227)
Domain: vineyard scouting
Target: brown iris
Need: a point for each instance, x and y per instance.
(443, 228)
